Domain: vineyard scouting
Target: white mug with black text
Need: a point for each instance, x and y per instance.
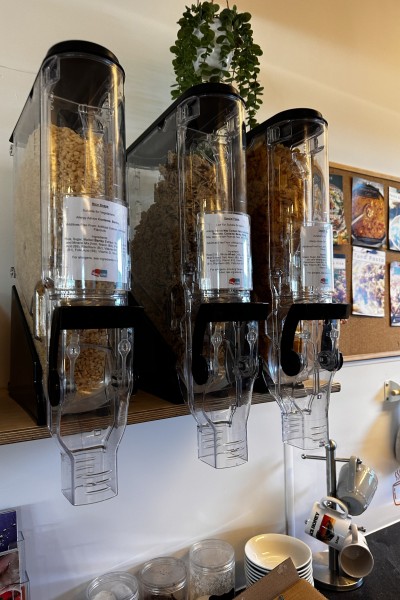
(327, 524)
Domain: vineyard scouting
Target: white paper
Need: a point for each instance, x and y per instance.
(225, 252)
(94, 240)
(317, 256)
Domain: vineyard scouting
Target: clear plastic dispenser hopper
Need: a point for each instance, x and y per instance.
(300, 350)
(192, 271)
(219, 323)
(72, 257)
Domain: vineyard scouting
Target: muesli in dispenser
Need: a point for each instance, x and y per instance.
(288, 183)
(72, 262)
(192, 267)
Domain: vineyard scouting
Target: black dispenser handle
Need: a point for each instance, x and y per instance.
(214, 312)
(84, 317)
(291, 361)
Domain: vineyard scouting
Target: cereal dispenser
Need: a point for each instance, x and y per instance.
(288, 183)
(192, 267)
(72, 263)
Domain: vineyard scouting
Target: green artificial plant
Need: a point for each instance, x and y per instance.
(218, 46)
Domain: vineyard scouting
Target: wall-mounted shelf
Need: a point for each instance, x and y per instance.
(17, 426)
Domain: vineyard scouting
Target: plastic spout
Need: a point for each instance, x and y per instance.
(91, 385)
(224, 445)
(220, 375)
(90, 476)
(307, 429)
(302, 371)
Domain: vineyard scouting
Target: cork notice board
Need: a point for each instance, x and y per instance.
(365, 336)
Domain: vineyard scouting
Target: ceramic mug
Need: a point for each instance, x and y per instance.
(356, 485)
(328, 524)
(355, 557)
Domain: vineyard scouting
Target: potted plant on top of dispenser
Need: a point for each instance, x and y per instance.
(217, 46)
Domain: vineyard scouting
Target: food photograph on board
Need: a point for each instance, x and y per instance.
(368, 221)
(368, 282)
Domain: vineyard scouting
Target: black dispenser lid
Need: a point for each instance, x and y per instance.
(151, 149)
(82, 47)
(82, 79)
(292, 115)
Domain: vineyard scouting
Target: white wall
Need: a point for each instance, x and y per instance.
(342, 58)
(168, 499)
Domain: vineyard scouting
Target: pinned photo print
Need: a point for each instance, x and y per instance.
(394, 219)
(368, 282)
(336, 210)
(339, 279)
(394, 293)
(368, 222)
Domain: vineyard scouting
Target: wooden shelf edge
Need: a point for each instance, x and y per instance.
(364, 172)
(145, 407)
(18, 426)
(357, 357)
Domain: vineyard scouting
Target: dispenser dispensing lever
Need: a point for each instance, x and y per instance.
(291, 361)
(215, 312)
(83, 317)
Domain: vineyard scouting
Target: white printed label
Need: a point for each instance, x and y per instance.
(317, 256)
(339, 263)
(225, 252)
(94, 240)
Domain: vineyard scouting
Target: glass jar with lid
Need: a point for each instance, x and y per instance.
(164, 577)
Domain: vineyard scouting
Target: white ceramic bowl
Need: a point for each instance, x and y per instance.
(259, 572)
(268, 550)
(252, 578)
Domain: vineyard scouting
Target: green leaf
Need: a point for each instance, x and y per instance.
(235, 34)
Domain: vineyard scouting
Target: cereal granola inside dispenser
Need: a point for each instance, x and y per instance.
(191, 263)
(288, 182)
(72, 263)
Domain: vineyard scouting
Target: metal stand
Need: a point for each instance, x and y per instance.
(326, 571)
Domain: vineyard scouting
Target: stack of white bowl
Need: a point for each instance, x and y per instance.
(264, 552)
